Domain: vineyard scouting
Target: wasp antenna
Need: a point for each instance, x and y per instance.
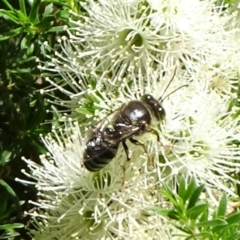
(174, 73)
(186, 85)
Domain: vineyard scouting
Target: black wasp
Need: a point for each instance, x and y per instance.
(133, 118)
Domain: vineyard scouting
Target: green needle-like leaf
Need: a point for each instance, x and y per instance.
(33, 15)
(8, 4)
(196, 211)
(22, 7)
(212, 223)
(235, 218)
(222, 206)
(195, 196)
(190, 190)
(182, 188)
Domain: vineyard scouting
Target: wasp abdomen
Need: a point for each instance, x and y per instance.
(98, 154)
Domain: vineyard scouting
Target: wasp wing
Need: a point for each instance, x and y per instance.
(126, 131)
(106, 142)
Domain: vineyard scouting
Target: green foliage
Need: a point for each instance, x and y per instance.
(191, 215)
(36, 19)
(9, 204)
(23, 107)
(224, 2)
(24, 110)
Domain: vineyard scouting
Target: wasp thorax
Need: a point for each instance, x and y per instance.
(154, 106)
(134, 113)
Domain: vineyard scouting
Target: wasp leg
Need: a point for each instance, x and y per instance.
(136, 142)
(126, 149)
(155, 132)
(123, 180)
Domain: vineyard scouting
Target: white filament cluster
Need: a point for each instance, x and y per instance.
(130, 48)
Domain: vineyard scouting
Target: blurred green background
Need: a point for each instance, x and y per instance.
(25, 112)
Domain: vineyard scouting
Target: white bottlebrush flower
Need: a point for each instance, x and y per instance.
(200, 134)
(74, 203)
(234, 26)
(197, 139)
(137, 42)
(205, 143)
(117, 39)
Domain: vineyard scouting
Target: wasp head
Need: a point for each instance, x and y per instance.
(154, 106)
